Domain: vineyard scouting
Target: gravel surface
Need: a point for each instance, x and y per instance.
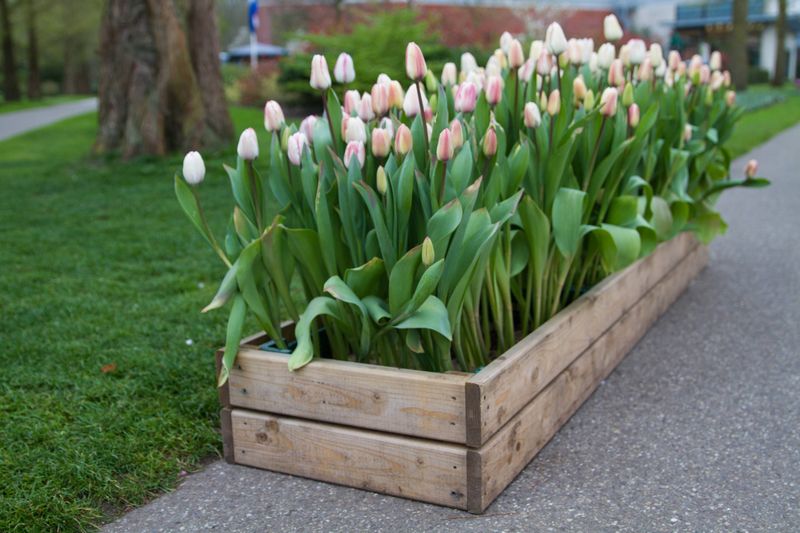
(698, 429)
(17, 122)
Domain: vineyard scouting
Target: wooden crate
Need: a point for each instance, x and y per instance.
(452, 439)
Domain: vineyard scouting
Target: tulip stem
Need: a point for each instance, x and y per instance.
(330, 121)
(211, 237)
(422, 114)
(590, 168)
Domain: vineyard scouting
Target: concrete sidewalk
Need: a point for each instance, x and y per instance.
(698, 429)
(18, 122)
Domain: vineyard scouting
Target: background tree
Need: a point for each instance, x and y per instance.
(780, 57)
(737, 44)
(34, 79)
(10, 82)
(152, 71)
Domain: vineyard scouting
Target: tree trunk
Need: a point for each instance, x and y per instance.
(10, 82)
(34, 79)
(780, 57)
(737, 45)
(150, 95)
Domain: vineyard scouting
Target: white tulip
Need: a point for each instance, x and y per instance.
(344, 71)
(611, 28)
(248, 145)
(194, 170)
(555, 39)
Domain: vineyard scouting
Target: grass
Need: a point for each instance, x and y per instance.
(8, 107)
(103, 402)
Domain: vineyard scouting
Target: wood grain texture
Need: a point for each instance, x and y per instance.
(492, 467)
(508, 383)
(400, 466)
(408, 402)
(226, 430)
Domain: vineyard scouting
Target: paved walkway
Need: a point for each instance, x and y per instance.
(17, 122)
(698, 429)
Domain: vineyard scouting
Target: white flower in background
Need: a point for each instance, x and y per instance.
(194, 169)
(411, 102)
(273, 116)
(351, 100)
(605, 55)
(516, 57)
(493, 67)
(468, 63)
(388, 125)
(637, 50)
(715, 63)
(587, 49)
(656, 55)
(505, 42)
(536, 50)
(379, 97)
(320, 76)
(533, 118)
(415, 62)
(611, 28)
(248, 145)
(449, 74)
(344, 70)
(555, 39)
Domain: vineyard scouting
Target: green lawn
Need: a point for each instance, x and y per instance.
(103, 402)
(8, 107)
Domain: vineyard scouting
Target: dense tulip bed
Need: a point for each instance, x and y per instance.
(431, 227)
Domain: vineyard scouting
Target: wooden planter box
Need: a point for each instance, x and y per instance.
(451, 439)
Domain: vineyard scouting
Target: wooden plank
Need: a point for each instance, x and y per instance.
(407, 402)
(226, 429)
(508, 383)
(400, 466)
(492, 467)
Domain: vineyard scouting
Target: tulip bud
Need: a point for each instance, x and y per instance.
(449, 74)
(543, 64)
(605, 55)
(705, 74)
(295, 145)
(656, 55)
(505, 42)
(532, 116)
(273, 116)
(344, 71)
(611, 28)
(661, 70)
(354, 151)
(694, 68)
(687, 132)
(494, 67)
(526, 70)
(384, 79)
(625, 55)
(320, 76)
(351, 100)
(500, 57)
(415, 62)
(554, 103)
(751, 169)
(716, 80)
(726, 78)
(537, 47)
(354, 130)
(468, 63)
(555, 39)
(587, 50)
(563, 60)
(674, 59)
(402, 140)
(411, 102)
(574, 53)
(608, 101)
(516, 57)
(637, 50)
(730, 98)
(579, 88)
(466, 97)
(307, 127)
(248, 145)
(633, 115)
(646, 70)
(627, 95)
(285, 139)
(428, 254)
(489, 144)
(494, 90)
(616, 74)
(715, 62)
(681, 70)
(444, 148)
(194, 169)
(381, 142)
(365, 111)
(594, 64)
(380, 181)
(588, 101)
(542, 102)
(386, 123)
(396, 95)
(379, 96)
(430, 82)
(456, 134)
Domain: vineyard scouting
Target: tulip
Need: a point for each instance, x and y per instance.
(674, 59)
(661, 69)
(543, 64)
(379, 96)
(396, 95)
(381, 142)
(726, 78)
(428, 253)
(354, 130)
(364, 109)
(505, 42)
(669, 78)
(248, 145)
(616, 75)
(466, 97)
(730, 98)
(295, 145)
(715, 62)
(717, 80)
(477, 77)
(554, 103)
(380, 181)
(494, 90)
(351, 100)
(542, 102)
(320, 76)
(705, 74)
(646, 70)
(625, 55)
(449, 74)
(587, 49)
(489, 145)
(611, 28)
(444, 148)
(456, 134)
(411, 102)
(501, 58)
(656, 55)
(536, 50)
(493, 67)
(555, 39)
(588, 101)
(307, 127)
(415, 62)
(273, 116)
(526, 70)
(563, 60)
(402, 140)
(574, 52)
(430, 82)
(354, 151)
(386, 124)
(468, 63)
(344, 71)
(285, 138)
(605, 55)
(594, 65)
(194, 170)
(384, 79)
(638, 51)
(633, 115)
(579, 88)
(694, 67)
(751, 169)
(608, 101)
(627, 95)
(532, 116)
(516, 57)
(687, 132)
(681, 70)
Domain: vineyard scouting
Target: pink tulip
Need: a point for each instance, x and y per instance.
(616, 74)
(444, 148)
(494, 90)
(381, 142)
(751, 169)
(533, 118)
(351, 100)
(402, 140)
(673, 60)
(297, 142)
(411, 102)
(354, 130)
(456, 134)
(396, 95)
(273, 116)
(355, 151)
(516, 57)
(365, 111)
(633, 115)
(307, 127)
(320, 76)
(608, 101)
(344, 70)
(415, 62)
(247, 148)
(466, 97)
(380, 98)
(489, 144)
